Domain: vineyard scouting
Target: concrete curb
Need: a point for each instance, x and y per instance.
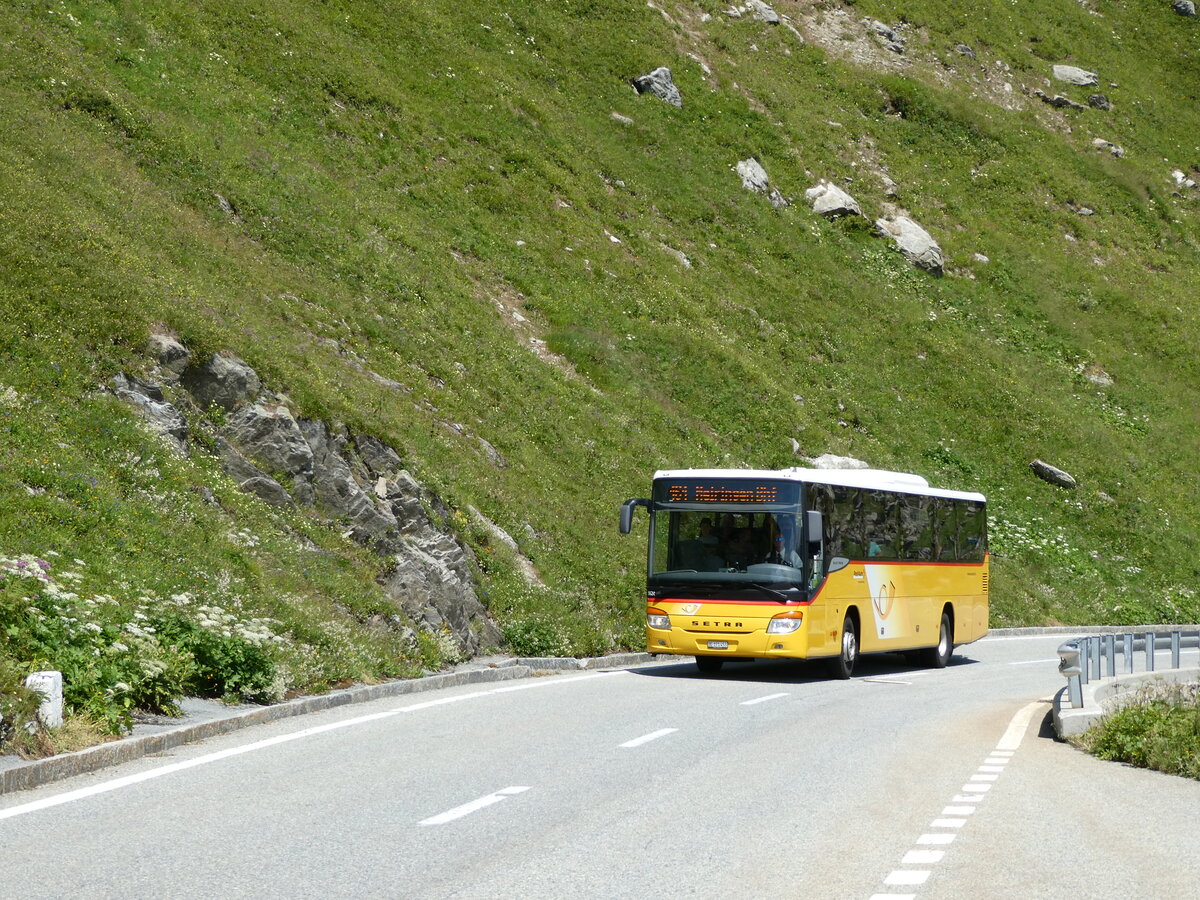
(37, 772)
(1100, 697)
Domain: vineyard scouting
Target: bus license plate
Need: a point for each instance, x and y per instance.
(718, 645)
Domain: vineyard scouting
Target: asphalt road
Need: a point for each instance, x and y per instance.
(769, 780)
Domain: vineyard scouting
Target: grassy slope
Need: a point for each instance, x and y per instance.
(396, 168)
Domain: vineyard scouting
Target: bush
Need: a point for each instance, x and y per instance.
(1161, 730)
(228, 666)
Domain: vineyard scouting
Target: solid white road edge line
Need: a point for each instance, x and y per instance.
(474, 806)
(129, 780)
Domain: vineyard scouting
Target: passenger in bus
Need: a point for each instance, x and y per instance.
(740, 551)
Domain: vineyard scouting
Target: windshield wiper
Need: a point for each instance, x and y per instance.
(778, 595)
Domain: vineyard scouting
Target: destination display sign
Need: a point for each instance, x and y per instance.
(725, 491)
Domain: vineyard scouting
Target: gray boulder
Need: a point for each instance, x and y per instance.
(754, 178)
(660, 84)
(762, 12)
(162, 417)
(830, 200)
(1052, 475)
(832, 461)
(168, 352)
(1076, 75)
(224, 380)
(913, 241)
(1184, 7)
(1099, 101)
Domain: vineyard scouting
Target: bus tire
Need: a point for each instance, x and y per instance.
(709, 665)
(842, 665)
(938, 657)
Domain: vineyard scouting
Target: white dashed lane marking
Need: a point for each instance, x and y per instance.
(647, 738)
(763, 699)
(944, 829)
(474, 806)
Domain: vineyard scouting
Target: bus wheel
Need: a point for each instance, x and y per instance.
(937, 657)
(709, 665)
(842, 666)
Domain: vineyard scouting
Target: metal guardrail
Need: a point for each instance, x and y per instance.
(1095, 656)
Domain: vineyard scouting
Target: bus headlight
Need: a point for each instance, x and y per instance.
(786, 623)
(658, 619)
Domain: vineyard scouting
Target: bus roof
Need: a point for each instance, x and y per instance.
(871, 479)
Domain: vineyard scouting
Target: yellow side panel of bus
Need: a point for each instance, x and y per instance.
(900, 604)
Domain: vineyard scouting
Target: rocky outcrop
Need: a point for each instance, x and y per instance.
(659, 83)
(913, 241)
(1184, 7)
(887, 35)
(355, 480)
(1058, 101)
(160, 415)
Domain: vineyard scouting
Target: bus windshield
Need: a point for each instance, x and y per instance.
(725, 547)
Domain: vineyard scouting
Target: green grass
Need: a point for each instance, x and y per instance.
(394, 169)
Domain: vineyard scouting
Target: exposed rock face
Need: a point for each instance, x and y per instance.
(754, 178)
(887, 35)
(1058, 101)
(269, 434)
(660, 84)
(160, 415)
(830, 200)
(1075, 75)
(913, 241)
(354, 479)
(1052, 475)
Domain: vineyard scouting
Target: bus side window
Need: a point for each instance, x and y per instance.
(972, 536)
(947, 531)
(916, 531)
(880, 525)
(845, 532)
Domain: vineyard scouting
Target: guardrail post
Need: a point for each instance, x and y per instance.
(1069, 659)
(1094, 655)
(1110, 654)
(1174, 649)
(1150, 642)
(1127, 652)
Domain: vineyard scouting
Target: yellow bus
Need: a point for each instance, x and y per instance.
(811, 563)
